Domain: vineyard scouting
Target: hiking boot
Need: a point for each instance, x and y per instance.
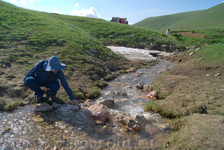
(38, 99)
(41, 99)
(56, 100)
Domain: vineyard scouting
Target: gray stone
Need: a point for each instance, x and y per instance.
(140, 85)
(43, 107)
(126, 119)
(106, 102)
(146, 87)
(56, 105)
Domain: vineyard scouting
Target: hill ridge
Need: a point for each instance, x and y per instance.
(202, 19)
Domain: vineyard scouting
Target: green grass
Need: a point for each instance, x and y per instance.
(211, 36)
(29, 33)
(212, 56)
(204, 19)
(160, 22)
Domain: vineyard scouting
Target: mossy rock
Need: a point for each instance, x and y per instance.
(79, 95)
(93, 93)
(100, 84)
(108, 77)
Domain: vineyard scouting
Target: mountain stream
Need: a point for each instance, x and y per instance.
(19, 129)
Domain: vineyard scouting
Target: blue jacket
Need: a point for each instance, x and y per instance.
(39, 73)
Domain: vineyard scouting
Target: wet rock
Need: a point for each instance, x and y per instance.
(67, 107)
(37, 118)
(140, 119)
(99, 112)
(43, 107)
(140, 85)
(165, 126)
(126, 119)
(88, 103)
(107, 102)
(131, 70)
(61, 125)
(65, 111)
(138, 72)
(137, 75)
(146, 87)
(129, 87)
(114, 74)
(151, 95)
(56, 105)
(123, 77)
(123, 93)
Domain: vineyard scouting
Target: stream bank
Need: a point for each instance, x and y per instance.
(24, 128)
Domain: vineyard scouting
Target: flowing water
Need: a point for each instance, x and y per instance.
(26, 129)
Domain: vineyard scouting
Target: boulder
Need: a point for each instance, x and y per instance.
(106, 102)
(151, 95)
(55, 105)
(99, 112)
(140, 85)
(43, 107)
(146, 87)
(126, 119)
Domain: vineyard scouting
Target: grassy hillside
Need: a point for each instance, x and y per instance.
(199, 38)
(161, 22)
(204, 19)
(27, 36)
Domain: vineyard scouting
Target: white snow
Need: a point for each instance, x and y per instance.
(136, 54)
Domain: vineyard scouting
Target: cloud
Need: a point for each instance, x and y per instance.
(76, 5)
(91, 12)
(57, 12)
(13, 1)
(223, 2)
(22, 2)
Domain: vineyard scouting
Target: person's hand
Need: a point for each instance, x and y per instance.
(75, 102)
(24, 88)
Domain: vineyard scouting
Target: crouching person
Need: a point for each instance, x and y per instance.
(46, 74)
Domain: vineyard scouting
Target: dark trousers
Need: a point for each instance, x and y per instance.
(35, 85)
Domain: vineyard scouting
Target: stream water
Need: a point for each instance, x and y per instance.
(21, 130)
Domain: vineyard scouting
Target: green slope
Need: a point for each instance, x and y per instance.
(164, 21)
(204, 19)
(28, 36)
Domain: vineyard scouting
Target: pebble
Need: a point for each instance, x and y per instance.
(218, 74)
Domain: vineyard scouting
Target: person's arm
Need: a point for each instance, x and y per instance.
(34, 70)
(64, 83)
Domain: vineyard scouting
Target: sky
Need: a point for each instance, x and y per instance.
(133, 10)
